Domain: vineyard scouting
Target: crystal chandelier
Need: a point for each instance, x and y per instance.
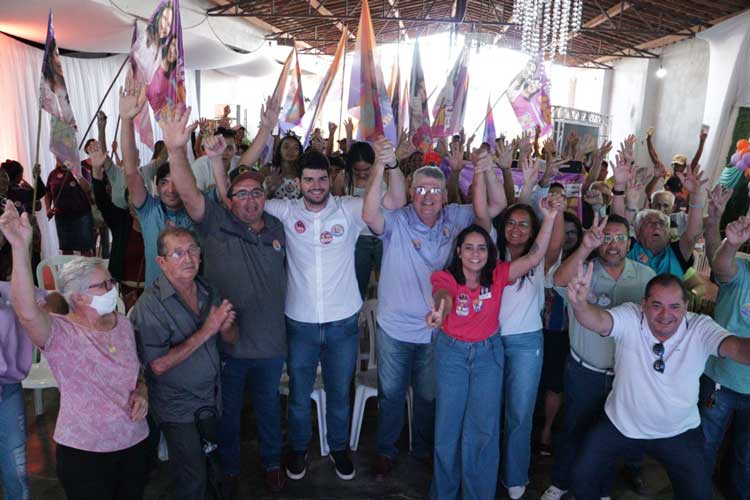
(547, 24)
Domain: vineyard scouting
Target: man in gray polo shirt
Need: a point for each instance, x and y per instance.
(245, 251)
(589, 370)
(177, 320)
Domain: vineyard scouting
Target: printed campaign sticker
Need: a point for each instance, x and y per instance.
(745, 310)
(276, 245)
(326, 237)
(299, 226)
(485, 293)
(337, 230)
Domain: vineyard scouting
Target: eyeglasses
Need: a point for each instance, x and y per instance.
(244, 194)
(609, 238)
(107, 284)
(421, 190)
(655, 222)
(179, 254)
(658, 350)
(524, 224)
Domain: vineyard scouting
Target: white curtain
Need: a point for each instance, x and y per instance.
(87, 80)
(728, 81)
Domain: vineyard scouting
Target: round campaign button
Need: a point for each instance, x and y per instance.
(326, 237)
(337, 230)
(299, 226)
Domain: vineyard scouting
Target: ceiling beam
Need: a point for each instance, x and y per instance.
(613, 11)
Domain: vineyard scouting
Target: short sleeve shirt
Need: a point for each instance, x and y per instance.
(322, 285)
(646, 404)
(733, 313)
(154, 217)
(204, 175)
(670, 260)
(605, 292)
(473, 316)
(521, 311)
(249, 269)
(96, 372)
(162, 321)
(412, 251)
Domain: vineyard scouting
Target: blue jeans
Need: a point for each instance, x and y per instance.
(262, 375)
(523, 368)
(13, 474)
(682, 456)
(715, 420)
(368, 253)
(467, 417)
(335, 345)
(401, 364)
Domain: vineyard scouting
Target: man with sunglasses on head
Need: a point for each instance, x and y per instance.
(245, 250)
(660, 353)
(417, 241)
(178, 321)
(589, 368)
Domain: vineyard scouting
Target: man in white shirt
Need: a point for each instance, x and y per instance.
(660, 353)
(202, 169)
(322, 305)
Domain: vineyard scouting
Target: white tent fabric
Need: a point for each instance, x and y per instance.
(87, 81)
(728, 86)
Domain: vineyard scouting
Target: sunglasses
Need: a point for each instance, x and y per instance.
(658, 350)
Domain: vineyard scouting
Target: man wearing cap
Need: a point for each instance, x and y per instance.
(679, 163)
(245, 251)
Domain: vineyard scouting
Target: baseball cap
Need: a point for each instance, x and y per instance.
(680, 159)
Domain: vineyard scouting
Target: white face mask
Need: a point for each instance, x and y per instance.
(104, 304)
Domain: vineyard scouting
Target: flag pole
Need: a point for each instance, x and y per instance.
(343, 79)
(101, 103)
(35, 169)
(488, 112)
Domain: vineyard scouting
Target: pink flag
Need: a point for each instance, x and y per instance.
(294, 105)
(53, 98)
(368, 98)
(403, 113)
(419, 112)
(489, 127)
(450, 105)
(528, 94)
(142, 120)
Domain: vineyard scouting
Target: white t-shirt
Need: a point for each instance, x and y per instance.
(646, 404)
(522, 303)
(322, 285)
(204, 176)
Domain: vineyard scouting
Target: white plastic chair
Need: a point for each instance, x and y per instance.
(54, 263)
(39, 378)
(318, 395)
(366, 382)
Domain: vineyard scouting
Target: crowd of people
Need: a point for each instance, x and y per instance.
(236, 273)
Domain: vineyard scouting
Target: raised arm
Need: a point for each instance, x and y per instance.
(456, 161)
(694, 183)
(699, 152)
(650, 146)
(717, 202)
(132, 100)
(558, 233)
(18, 232)
(725, 265)
(623, 172)
(176, 134)
(548, 207)
(269, 117)
(331, 138)
(214, 147)
(592, 239)
(372, 210)
(101, 125)
(590, 316)
(479, 198)
(504, 160)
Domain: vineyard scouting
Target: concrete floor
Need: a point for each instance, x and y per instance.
(410, 479)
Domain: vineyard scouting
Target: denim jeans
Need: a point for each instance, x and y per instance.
(523, 368)
(715, 420)
(467, 417)
(401, 364)
(368, 253)
(262, 375)
(335, 345)
(681, 455)
(14, 476)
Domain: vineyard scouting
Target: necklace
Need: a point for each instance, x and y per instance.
(85, 322)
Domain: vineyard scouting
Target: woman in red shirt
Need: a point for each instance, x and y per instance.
(469, 358)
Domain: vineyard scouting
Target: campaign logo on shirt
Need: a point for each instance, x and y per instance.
(337, 230)
(72, 184)
(417, 244)
(299, 227)
(276, 245)
(59, 176)
(485, 293)
(745, 310)
(326, 237)
(477, 305)
(603, 300)
(643, 258)
(290, 187)
(446, 232)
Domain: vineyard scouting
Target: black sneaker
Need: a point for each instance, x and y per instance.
(343, 465)
(296, 465)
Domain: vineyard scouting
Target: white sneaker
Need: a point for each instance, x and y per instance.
(516, 492)
(606, 498)
(553, 493)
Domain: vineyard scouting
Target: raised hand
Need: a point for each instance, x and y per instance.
(101, 119)
(331, 128)
(405, 146)
(692, 179)
(385, 155)
(650, 132)
(132, 98)
(524, 145)
(349, 127)
(717, 201)
(269, 114)
(174, 128)
(456, 158)
(594, 236)
(623, 169)
(551, 204)
(593, 197)
(633, 192)
(738, 232)
(214, 145)
(530, 172)
(434, 318)
(482, 161)
(98, 157)
(550, 150)
(16, 229)
(503, 153)
(578, 288)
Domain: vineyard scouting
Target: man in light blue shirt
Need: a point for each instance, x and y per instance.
(725, 385)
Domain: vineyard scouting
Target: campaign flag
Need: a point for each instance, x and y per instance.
(159, 58)
(395, 96)
(403, 113)
(419, 112)
(53, 98)
(142, 121)
(528, 94)
(368, 98)
(489, 128)
(316, 105)
(294, 105)
(450, 104)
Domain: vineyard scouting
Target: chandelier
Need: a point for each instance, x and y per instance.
(547, 25)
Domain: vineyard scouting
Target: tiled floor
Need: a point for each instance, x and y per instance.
(410, 479)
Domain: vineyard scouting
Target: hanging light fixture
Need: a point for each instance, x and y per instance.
(547, 24)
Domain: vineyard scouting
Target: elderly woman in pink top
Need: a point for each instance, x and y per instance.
(101, 428)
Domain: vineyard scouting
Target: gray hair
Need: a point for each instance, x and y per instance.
(74, 277)
(647, 212)
(663, 192)
(431, 172)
